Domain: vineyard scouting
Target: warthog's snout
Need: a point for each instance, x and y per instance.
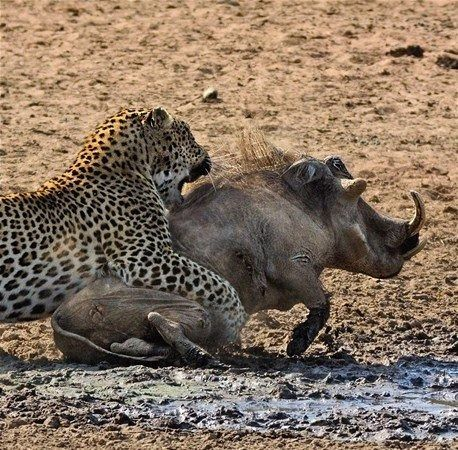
(413, 244)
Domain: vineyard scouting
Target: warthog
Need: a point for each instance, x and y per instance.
(270, 228)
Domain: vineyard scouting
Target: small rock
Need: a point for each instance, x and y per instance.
(315, 394)
(248, 114)
(52, 422)
(277, 415)
(229, 2)
(286, 392)
(16, 423)
(319, 423)
(451, 210)
(453, 349)
(94, 419)
(447, 62)
(371, 378)
(411, 50)
(210, 95)
(421, 335)
(123, 419)
(417, 381)
(232, 413)
(253, 423)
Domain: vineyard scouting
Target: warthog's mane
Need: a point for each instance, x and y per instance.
(249, 153)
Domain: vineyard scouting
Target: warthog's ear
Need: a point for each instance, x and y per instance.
(354, 188)
(158, 118)
(304, 171)
(337, 167)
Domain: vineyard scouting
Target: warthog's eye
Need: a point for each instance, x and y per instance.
(301, 258)
(338, 165)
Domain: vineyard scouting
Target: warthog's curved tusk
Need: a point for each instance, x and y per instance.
(416, 249)
(418, 220)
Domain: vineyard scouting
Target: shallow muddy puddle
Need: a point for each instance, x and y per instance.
(413, 399)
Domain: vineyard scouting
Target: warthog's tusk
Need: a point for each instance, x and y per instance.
(355, 187)
(418, 220)
(416, 249)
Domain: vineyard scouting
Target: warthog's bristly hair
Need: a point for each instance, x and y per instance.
(249, 152)
(257, 153)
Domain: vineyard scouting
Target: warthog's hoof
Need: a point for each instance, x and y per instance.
(305, 333)
(173, 334)
(297, 346)
(197, 357)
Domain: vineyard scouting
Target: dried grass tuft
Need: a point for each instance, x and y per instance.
(250, 151)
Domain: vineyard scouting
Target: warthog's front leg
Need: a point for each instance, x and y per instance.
(306, 332)
(303, 283)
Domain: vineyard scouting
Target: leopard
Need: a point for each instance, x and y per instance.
(106, 215)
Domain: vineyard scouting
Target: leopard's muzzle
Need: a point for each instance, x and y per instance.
(201, 169)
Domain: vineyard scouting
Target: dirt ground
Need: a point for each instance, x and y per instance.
(316, 77)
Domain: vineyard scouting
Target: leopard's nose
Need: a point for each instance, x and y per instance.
(206, 165)
(201, 169)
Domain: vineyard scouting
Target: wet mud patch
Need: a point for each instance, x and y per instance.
(414, 399)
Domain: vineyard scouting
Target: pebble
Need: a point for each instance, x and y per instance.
(52, 422)
(417, 381)
(210, 95)
(284, 392)
(123, 419)
(410, 50)
(16, 423)
(448, 62)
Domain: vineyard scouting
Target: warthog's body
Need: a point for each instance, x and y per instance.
(271, 231)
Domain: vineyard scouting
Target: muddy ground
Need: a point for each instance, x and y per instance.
(318, 77)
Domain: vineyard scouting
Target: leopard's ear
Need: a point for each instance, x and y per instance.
(158, 118)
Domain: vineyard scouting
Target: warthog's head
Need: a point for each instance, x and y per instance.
(365, 241)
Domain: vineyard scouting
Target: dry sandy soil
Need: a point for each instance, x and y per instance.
(316, 77)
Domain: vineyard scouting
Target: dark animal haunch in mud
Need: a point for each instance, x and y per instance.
(271, 229)
(110, 322)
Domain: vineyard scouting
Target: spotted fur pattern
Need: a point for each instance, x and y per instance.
(106, 214)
